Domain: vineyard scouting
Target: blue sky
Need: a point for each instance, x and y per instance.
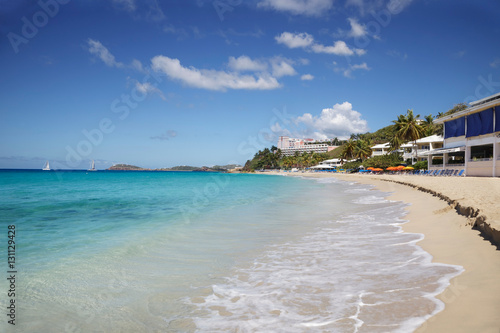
(165, 83)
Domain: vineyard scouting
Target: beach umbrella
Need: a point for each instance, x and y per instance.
(370, 168)
(408, 168)
(400, 167)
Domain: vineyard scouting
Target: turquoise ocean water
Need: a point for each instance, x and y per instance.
(207, 252)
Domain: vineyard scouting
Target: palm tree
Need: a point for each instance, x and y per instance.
(394, 143)
(408, 128)
(428, 125)
(362, 149)
(306, 158)
(286, 162)
(348, 150)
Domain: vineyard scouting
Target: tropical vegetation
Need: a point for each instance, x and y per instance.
(274, 159)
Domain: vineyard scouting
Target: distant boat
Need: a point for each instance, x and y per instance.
(46, 167)
(92, 166)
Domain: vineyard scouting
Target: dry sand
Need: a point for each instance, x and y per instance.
(472, 301)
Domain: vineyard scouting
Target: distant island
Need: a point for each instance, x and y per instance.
(215, 168)
(126, 167)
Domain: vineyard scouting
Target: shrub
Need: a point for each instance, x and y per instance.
(420, 165)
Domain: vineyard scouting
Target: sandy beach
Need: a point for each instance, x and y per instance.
(445, 210)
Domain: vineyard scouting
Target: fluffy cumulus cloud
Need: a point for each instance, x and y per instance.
(298, 7)
(306, 41)
(357, 29)
(295, 40)
(96, 48)
(279, 66)
(212, 79)
(282, 67)
(307, 77)
(245, 63)
(339, 121)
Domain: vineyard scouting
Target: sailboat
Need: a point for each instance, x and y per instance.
(92, 166)
(46, 167)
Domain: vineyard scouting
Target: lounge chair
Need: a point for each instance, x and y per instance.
(461, 173)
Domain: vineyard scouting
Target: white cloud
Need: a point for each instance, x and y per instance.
(338, 48)
(280, 131)
(96, 48)
(348, 72)
(99, 50)
(295, 40)
(282, 67)
(298, 7)
(244, 63)
(307, 77)
(306, 41)
(339, 121)
(361, 66)
(137, 65)
(360, 52)
(357, 30)
(149, 89)
(212, 79)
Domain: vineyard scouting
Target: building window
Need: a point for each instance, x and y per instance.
(456, 158)
(481, 153)
(437, 160)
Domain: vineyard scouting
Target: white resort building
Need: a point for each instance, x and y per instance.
(381, 149)
(289, 146)
(471, 139)
(329, 164)
(419, 150)
(416, 151)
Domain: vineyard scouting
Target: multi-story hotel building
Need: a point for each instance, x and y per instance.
(471, 139)
(289, 146)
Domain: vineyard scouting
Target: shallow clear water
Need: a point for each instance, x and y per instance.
(183, 252)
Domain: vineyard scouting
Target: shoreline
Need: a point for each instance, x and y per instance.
(445, 215)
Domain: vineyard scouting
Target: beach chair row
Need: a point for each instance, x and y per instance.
(443, 172)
